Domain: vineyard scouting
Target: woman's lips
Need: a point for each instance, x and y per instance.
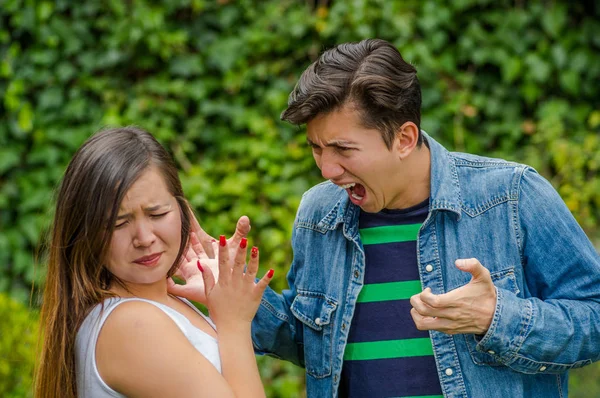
(148, 260)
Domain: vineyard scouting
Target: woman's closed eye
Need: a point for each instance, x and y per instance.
(154, 216)
(159, 215)
(121, 224)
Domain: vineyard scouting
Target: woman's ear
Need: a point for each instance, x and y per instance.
(406, 140)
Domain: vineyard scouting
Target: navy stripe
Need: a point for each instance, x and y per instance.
(414, 215)
(391, 320)
(411, 377)
(388, 266)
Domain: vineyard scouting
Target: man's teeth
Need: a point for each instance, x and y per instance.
(346, 186)
(355, 196)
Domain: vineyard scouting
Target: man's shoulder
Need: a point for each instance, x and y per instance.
(467, 160)
(482, 167)
(484, 180)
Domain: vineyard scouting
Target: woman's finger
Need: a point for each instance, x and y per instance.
(224, 265)
(195, 243)
(264, 282)
(204, 238)
(190, 254)
(242, 228)
(199, 248)
(252, 267)
(239, 261)
(208, 277)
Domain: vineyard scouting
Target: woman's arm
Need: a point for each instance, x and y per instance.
(141, 352)
(232, 304)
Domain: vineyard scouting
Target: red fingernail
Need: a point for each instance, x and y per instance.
(222, 240)
(199, 266)
(270, 273)
(213, 240)
(243, 243)
(254, 252)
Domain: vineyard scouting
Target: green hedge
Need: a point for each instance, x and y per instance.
(209, 78)
(18, 339)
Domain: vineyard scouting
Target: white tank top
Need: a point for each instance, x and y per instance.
(89, 382)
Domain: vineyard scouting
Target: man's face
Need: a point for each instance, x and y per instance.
(357, 159)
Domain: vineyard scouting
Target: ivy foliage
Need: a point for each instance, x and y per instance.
(209, 79)
(18, 339)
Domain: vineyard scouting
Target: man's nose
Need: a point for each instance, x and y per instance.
(330, 167)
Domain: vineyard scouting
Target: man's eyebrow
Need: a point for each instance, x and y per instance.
(334, 143)
(147, 209)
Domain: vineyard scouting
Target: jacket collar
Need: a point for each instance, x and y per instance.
(445, 189)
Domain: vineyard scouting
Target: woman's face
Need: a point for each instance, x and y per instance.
(147, 235)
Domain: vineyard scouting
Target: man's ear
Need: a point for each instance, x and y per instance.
(406, 140)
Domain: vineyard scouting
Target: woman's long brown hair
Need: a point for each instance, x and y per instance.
(87, 204)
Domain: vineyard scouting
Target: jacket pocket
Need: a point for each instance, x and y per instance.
(503, 279)
(315, 311)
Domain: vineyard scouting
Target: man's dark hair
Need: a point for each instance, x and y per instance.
(371, 75)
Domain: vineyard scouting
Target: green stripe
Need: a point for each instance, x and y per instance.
(390, 233)
(388, 291)
(388, 349)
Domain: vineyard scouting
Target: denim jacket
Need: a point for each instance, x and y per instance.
(546, 273)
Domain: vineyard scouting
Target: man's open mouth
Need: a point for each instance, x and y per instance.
(356, 191)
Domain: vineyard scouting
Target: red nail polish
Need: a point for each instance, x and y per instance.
(270, 273)
(222, 240)
(243, 243)
(213, 240)
(254, 252)
(199, 266)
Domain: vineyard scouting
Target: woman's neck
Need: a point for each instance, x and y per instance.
(155, 292)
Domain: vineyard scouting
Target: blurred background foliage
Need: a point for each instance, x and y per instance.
(515, 79)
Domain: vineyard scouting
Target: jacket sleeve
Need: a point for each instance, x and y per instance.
(557, 326)
(275, 330)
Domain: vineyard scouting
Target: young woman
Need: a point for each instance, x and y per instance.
(111, 328)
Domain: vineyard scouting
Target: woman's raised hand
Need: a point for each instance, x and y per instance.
(234, 299)
(189, 272)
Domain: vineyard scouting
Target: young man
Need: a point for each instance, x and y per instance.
(417, 271)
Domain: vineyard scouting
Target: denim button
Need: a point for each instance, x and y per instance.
(542, 368)
(449, 372)
(429, 268)
(356, 274)
(343, 326)
(318, 321)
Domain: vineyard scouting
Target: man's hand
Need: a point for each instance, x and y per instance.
(468, 309)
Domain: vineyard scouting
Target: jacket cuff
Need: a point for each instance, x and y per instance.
(512, 322)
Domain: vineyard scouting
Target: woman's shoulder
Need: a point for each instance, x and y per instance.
(128, 315)
(140, 338)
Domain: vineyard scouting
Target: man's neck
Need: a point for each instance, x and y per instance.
(416, 175)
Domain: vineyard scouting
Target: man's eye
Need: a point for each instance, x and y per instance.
(159, 215)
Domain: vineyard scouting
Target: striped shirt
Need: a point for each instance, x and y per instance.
(386, 356)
